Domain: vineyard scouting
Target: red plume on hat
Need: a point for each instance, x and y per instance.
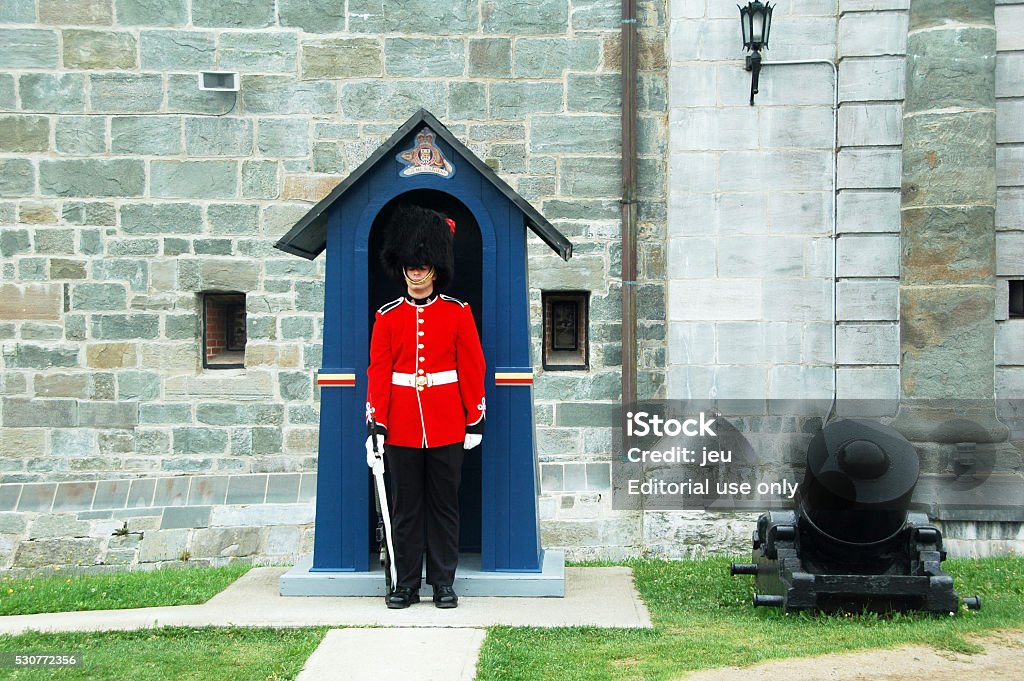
(419, 236)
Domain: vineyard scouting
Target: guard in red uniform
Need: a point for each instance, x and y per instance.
(426, 394)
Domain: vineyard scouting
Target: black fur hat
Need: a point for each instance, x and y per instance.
(419, 236)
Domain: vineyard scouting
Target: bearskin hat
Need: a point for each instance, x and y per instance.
(419, 236)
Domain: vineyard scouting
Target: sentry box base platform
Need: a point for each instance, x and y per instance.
(469, 580)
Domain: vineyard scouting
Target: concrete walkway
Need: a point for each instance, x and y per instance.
(594, 596)
(437, 644)
(600, 597)
(396, 655)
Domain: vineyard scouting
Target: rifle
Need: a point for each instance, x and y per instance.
(383, 532)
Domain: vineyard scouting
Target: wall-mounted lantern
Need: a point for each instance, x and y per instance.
(756, 22)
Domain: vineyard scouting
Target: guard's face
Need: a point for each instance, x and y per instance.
(420, 279)
(417, 272)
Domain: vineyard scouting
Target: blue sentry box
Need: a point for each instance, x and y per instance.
(423, 162)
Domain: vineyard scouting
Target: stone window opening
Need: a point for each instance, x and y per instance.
(224, 330)
(1016, 310)
(566, 322)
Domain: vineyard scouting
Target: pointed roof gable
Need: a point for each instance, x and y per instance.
(308, 238)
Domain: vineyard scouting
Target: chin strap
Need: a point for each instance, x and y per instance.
(429, 276)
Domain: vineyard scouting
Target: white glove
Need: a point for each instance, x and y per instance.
(371, 458)
(472, 440)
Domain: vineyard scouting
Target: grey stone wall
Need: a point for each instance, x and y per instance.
(125, 191)
(948, 188)
(750, 314)
(749, 264)
(1009, 198)
(155, 521)
(749, 259)
(872, 53)
(980, 539)
(575, 410)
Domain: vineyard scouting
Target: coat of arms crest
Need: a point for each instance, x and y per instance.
(425, 157)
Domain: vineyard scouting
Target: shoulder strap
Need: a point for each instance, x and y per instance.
(387, 307)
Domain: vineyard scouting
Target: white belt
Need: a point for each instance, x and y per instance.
(421, 380)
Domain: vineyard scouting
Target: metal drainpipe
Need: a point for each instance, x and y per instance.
(628, 202)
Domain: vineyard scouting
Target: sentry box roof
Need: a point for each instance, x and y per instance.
(308, 238)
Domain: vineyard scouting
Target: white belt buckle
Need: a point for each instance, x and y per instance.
(422, 381)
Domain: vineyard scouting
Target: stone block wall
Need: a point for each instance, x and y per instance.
(750, 253)
(126, 192)
(153, 521)
(750, 260)
(871, 52)
(575, 410)
(1009, 199)
(762, 172)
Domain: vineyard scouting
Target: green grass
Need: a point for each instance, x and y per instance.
(172, 654)
(177, 653)
(139, 589)
(703, 619)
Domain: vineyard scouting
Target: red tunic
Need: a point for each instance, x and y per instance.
(421, 340)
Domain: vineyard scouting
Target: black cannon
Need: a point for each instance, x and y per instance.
(851, 544)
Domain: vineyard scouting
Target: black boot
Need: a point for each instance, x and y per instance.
(445, 597)
(402, 597)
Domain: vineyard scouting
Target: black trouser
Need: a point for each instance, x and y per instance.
(425, 512)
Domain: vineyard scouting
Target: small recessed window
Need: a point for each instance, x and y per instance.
(565, 330)
(1016, 298)
(223, 330)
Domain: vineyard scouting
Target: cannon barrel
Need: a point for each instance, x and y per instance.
(859, 480)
